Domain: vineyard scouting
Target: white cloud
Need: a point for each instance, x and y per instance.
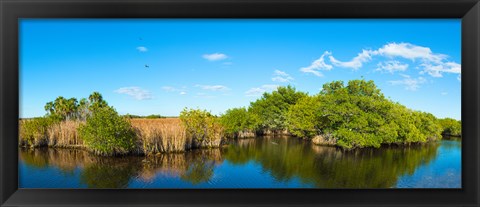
(215, 56)
(411, 51)
(213, 87)
(356, 62)
(437, 70)
(318, 65)
(260, 90)
(391, 66)
(444, 93)
(280, 73)
(183, 93)
(280, 76)
(434, 64)
(409, 83)
(135, 92)
(142, 49)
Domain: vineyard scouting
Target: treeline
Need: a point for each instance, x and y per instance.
(151, 116)
(355, 115)
(350, 116)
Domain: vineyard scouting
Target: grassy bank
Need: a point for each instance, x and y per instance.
(152, 136)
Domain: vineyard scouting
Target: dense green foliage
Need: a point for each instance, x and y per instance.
(271, 109)
(355, 115)
(451, 127)
(107, 133)
(358, 115)
(303, 117)
(201, 125)
(237, 120)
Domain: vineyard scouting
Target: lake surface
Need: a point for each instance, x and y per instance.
(268, 162)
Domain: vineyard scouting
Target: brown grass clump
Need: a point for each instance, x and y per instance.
(64, 134)
(160, 135)
(40, 132)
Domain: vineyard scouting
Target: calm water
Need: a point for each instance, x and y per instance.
(251, 163)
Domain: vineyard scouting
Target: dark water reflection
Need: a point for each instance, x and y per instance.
(282, 162)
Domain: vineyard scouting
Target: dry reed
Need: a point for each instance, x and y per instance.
(64, 134)
(160, 135)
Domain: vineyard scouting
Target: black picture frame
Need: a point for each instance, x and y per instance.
(12, 10)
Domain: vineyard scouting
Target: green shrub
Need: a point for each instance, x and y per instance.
(271, 109)
(107, 133)
(200, 125)
(450, 127)
(358, 115)
(303, 117)
(237, 120)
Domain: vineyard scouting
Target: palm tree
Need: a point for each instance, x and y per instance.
(96, 100)
(71, 107)
(49, 107)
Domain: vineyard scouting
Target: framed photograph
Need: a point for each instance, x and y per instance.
(242, 103)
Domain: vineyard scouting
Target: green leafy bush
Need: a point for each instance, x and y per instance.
(451, 127)
(303, 117)
(358, 115)
(236, 121)
(271, 109)
(107, 133)
(201, 125)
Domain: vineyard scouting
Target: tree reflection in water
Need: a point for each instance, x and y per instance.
(283, 158)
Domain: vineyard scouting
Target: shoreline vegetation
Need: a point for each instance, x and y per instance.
(356, 115)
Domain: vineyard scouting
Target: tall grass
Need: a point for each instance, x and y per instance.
(152, 136)
(160, 135)
(64, 134)
(39, 132)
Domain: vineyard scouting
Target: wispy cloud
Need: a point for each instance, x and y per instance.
(281, 76)
(142, 49)
(391, 66)
(356, 62)
(135, 92)
(257, 91)
(438, 69)
(434, 64)
(444, 93)
(215, 56)
(411, 84)
(173, 89)
(213, 87)
(318, 65)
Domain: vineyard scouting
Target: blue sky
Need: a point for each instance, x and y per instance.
(221, 64)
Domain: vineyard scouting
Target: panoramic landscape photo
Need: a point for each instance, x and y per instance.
(237, 103)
